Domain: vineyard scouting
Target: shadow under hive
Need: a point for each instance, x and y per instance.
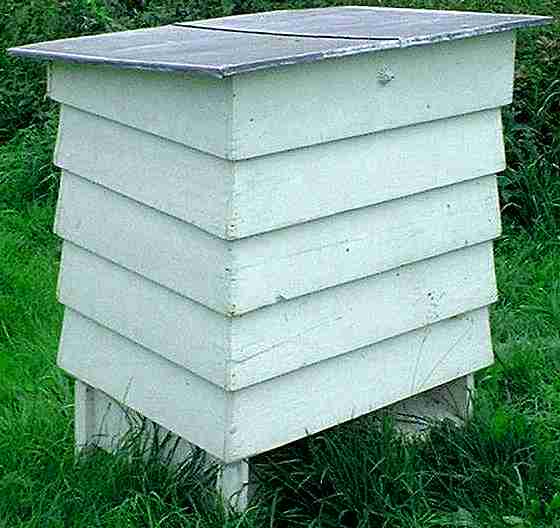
(275, 223)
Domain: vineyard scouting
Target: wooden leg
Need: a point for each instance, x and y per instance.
(464, 396)
(98, 420)
(233, 484)
(101, 421)
(452, 400)
(84, 415)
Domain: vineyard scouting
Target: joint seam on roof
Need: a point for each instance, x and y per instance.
(283, 34)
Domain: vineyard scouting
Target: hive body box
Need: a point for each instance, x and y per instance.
(263, 243)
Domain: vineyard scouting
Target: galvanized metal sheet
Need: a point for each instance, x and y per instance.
(375, 23)
(232, 45)
(202, 51)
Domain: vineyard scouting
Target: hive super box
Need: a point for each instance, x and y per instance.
(274, 223)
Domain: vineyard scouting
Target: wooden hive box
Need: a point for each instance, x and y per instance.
(274, 223)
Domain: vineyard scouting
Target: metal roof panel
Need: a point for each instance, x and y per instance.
(232, 45)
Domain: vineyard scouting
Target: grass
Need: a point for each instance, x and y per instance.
(502, 469)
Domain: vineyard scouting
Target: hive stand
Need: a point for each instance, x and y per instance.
(276, 223)
(101, 421)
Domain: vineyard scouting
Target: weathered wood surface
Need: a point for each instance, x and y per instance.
(193, 111)
(111, 424)
(186, 183)
(160, 391)
(232, 45)
(88, 425)
(103, 422)
(237, 199)
(233, 484)
(173, 326)
(257, 114)
(108, 428)
(237, 425)
(235, 277)
(235, 353)
(431, 82)
(253, 259)
(360, 313)
(331, 392)
(451, 401)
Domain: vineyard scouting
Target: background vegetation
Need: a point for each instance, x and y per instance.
(502, 469)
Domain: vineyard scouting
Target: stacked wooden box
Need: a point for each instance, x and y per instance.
(253, 256)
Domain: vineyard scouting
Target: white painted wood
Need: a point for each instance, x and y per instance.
(110, 425)
(84, 416)
(306, 104)
(112, 422)
(310, 257)
(272, 341)
(194, 111)
(450, 401)
(237, 199)
(305, 184)
(179, 329)
(103, 422)
(235, 353)
(233, 484)
(113, 426)
(182, 402)
(290, 107)
(174, 253)
(235, 277)
(309, 400)
(237, 425)
(248, 261)
(100, 420)
(187, 183)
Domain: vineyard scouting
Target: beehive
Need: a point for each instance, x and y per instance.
(275, 223)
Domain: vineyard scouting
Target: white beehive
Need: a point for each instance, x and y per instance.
(275, 223)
